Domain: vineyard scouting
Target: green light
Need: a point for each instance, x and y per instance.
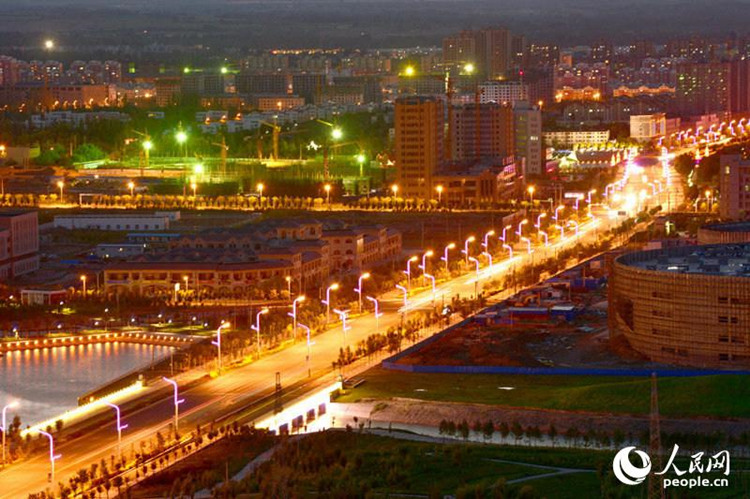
(181, 137)
(148, 145)
(361, 158)
(198, 169)
(337, 133)
(224, 70)
(186, 70)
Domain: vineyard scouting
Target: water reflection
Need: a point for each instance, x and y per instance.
(48, 382)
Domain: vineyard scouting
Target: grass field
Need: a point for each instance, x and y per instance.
(715, 396)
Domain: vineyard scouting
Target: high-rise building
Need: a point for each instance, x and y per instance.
(739, 86)
(502, 92)
(734, 186)
(202, 84)
(490, 50)
(311, 86)
(266, 83)
(702, 88)
(528, 136)
(419, 133)
(488, 137)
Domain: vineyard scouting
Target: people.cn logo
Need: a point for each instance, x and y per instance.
(628, 473)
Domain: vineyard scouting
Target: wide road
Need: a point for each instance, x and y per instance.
(206, 401)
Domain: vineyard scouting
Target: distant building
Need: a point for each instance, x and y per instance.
(490, 50)
(19, 243)
(143, 222)
(734, 186)
(266, 102)
(419, 144)
(528, 137)
(569, 138)
(488, 137)
(646, 127)
(502, 92)
(702, 88)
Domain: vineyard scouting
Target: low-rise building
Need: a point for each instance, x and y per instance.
(645, 127)
(144, 222)
(569, 138)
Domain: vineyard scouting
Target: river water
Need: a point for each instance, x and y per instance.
(48, 382)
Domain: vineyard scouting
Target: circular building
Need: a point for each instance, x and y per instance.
(724, 233)
(688, 305)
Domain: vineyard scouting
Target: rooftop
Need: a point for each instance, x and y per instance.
(732, 260)
(729, 227)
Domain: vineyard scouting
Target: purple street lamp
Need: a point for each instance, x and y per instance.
(52, 456)
(327, 301)
(510, 250)
(293, 313)
(538, 223)
(377, 313)
(546, 237)
(177, 401)
(476, 262)
(445, 254)
(523, 222)
(486, 242)
(528, 244)
(343, 314)
(256, 327)
(12, 405)
(562, 231)
(432, 278)
(423, 266)
(588, 196)
(307, 359)
(218, 343)
(489, 258)
(407, 272)
(358, 289)
(556, 217)
(406, 294)
(476, 281)
(120, 427)
(505, 230)
(465, 251)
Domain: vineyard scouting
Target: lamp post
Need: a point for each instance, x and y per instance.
(12, 405)
(343, 314)
(489, 258)
(432, 279)
(476, 281)
(256, 327)
(260, 188)
(528, 244)
(293, 313)
(588, 196)
(546, 237)
(327, 301)
(562, 231)
(218, 343)
(327, 188)
(510, 250)
(523, 222)
(120, 427)
(486, 242)
(406, 294)
(194, 187)
(445, 255)
(131, 186)
(408, 272)
(531, 189)
(574, 224)
(52, 456)
(288, 280)
(307, 358)
(538, 224)
(177, 401)
(423, 266)
(394, 189)
(377, 313)
(465, 251)
(83, 281)
(439, 190)
(556, 217)
(358, 289)
(61, 186)
(503, 238)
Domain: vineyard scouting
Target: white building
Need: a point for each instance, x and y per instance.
(503, 92)
(528, 127)
(569, 138)
(155, 222)
(644, 127)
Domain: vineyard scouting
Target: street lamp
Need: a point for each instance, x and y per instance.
(186, 280)
(538, 224)
(12, 405)
(378, 313)
(358, 289)
(510, 250)
(131, 186)
(489, 258)
(556, 217)
(343, 314)
(465, 251)
(307, 359)
(177, 401)
(588, 196)
(288, 280)
(327, 301)
(427, 253)
(181, 138)
(574, 224)
(218, 342)
(439, 190)
(408, 271)
(531, 189)
(120, 427)
(49, 44)
(260, 188)
(256, 327)
(327, 188)
(486, 243)
(546, 237)
(52, 456)
(61, 186)
(194, 186)
(432, 278)
(445, 255)
(83, 281)
(293, 313)
(406, 293)
(394, 189)
(528, 244)
(523, 222)
(562, 231)
(505, 231)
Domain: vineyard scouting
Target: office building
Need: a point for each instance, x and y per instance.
(528, 137)
(486, 136)
(734, 186)
(419, 129)
(702, 88)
